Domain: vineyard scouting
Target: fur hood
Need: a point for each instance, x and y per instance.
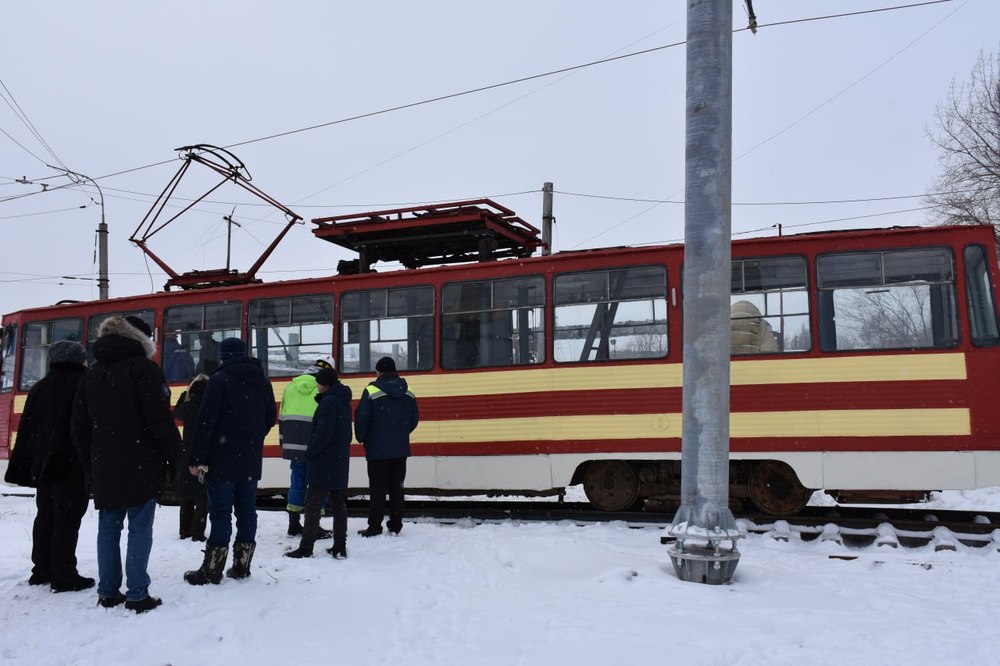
(118, 326)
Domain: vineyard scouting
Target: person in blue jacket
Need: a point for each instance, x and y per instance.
(386, 415)
(329, 456)
(236, 413)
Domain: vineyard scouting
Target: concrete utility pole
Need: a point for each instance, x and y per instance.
(547, 219)
(704, 528)
(102, 232)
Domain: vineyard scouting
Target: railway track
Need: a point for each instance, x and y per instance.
(852, 527)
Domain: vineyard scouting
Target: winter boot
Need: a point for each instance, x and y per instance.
(211, 568)
(242, 557)
(302, 551)
(294, 524)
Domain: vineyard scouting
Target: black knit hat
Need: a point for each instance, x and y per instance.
(67, 351)
(232, 348)
(139, 324)
(385, 364)
(326, 377)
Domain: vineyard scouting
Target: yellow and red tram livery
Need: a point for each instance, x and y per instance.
(864, 362)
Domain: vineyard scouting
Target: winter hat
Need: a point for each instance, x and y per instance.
(67, 351)
(325, 362)
(385, 364)
(139, 324)
(232, 348)
(326, 376)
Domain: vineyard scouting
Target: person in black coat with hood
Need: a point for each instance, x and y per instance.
(329, 457)
(43, 457)
(125, 436)
(386, 415)
(190, 490)
(236, 414)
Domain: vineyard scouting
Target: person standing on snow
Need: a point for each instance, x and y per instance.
(236, 414)
(126, 440)
(385, 417)
(193, 509)
(43, 458)
(298, 404)
(329, 456)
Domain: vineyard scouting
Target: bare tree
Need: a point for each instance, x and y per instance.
(896, 317)
(968, 134)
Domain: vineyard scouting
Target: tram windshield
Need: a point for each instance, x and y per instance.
(8, 357)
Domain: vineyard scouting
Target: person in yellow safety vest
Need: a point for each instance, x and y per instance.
(298, 404)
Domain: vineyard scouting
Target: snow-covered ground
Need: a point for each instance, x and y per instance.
(529, 593)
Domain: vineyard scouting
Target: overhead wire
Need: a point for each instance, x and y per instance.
(19, 112)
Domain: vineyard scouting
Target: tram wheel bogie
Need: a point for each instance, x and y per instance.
(611, 485)
(775, 489)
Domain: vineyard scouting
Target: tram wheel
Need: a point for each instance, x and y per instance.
(775, 489)
(611, 485)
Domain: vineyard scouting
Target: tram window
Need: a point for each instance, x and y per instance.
(288, 334)
(197, 330)
(492, 323)
(38, 336)
(898, 299)
(610, 315)
(979, 293)
(8, 357)
(769, 306)
(95, 321)
(398, 323)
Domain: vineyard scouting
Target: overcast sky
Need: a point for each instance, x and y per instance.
(824, 110)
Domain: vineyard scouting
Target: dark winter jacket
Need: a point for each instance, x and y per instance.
(236, 414)
(386, 416)
(122, 428)
(329, 449)
(43, 453)
(187, 486)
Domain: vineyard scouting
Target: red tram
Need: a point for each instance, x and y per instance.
(864, 362)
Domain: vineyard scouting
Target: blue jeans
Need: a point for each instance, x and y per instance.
(109, 557)
(297, 486)
(225, 498)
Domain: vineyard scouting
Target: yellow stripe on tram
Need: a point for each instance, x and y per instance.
(810, 423)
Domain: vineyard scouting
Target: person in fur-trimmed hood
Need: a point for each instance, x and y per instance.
(126, 439)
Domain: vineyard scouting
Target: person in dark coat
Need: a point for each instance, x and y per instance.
(191, 492)
(43, 457)
(329, 457)
(386, 415)
(236, 414)
(126, 439)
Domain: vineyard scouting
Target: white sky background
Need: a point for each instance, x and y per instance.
(116, 85)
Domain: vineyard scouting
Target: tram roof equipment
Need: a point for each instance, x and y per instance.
(446, 233)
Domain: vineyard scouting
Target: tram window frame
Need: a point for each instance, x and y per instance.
(38, 354)
(905, 274)
(207, 322)
(768, 297)
(589, 295)
(8, 357)
(979, 295)
(94, 324)
(308, 313)
(398, 319)
(504, 327)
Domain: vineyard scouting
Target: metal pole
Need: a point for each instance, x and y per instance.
(547, 219)
(704, 529)
(102, 233)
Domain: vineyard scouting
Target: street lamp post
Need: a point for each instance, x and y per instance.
(102, 233)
